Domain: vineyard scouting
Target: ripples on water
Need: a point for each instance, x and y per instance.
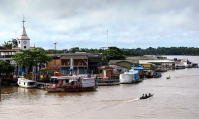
(174, 98)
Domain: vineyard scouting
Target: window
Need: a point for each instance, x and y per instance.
(19, 42)
(24, 47)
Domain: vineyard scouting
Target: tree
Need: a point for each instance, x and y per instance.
(74, 49)
(115, 53)
(6, 67)
(7, 45)
(14, 42)
(31, 58)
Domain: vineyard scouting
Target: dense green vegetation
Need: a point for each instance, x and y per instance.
(6, 67)
(168, 51)
(31, 57)
(125, 51)
(139, 51)
(9, 44)
(115, 53)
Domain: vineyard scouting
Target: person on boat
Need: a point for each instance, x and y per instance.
(149, 94)
(145, 95)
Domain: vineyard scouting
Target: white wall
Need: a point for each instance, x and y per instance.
(21, 45)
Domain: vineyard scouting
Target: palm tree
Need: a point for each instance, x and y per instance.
(14, 42)
(7, 45)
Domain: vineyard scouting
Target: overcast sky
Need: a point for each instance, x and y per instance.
(84, 23)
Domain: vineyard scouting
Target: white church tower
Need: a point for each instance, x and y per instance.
(23, 39)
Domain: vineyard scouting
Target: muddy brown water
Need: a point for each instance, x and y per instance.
(173, 98)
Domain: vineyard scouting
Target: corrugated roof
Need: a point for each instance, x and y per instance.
(137, 68)
(114, 62)
(155, 61)
(74, 57)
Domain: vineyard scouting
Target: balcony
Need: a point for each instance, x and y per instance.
(65, 65)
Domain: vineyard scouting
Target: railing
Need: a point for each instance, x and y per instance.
(56, 66)
(6, 56)
(74, 65)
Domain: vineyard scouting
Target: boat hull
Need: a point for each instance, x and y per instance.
(141, 98)
(25, 83)
(108, 84)
(27, 86)
(77, 89)
(126, 78)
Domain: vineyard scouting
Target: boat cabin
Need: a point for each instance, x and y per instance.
(26, 83)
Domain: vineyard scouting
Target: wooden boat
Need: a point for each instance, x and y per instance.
(146, 97)
(71, 84)
(105, 81)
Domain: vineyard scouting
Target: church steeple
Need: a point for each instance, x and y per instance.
(23, 39)
(23, 21)
(23, 33)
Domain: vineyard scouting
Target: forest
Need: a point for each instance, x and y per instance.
(138, 51)
(125, 51)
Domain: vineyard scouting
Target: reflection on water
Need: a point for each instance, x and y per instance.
(174, 98)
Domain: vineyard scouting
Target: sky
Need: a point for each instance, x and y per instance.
(84, 23)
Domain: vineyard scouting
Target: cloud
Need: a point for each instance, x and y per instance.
(84, 24)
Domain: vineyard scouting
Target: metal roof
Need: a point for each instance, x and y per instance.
(137, 68)
(155, 61)
(74, 57)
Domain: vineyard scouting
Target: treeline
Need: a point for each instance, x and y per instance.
(138, 51)
(95, 50)
(126, 52)
(168, 51)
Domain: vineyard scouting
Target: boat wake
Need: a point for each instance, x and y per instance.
(132, 100)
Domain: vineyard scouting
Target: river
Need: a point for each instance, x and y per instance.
(173, 98)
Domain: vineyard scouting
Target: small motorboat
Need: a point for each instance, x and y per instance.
(146, 97)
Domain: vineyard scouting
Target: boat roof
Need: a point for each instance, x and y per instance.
(70, 77)
(25, 80)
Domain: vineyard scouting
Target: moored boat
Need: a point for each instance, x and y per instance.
(71, 84)
(105, 81)
(23, 82)
(129, 77)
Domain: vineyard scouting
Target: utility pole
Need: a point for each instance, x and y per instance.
(55, 47)
(105, 60)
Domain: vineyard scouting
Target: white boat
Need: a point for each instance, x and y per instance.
(187, 64)
(129, 77)
(23, 82)
(179, 64)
